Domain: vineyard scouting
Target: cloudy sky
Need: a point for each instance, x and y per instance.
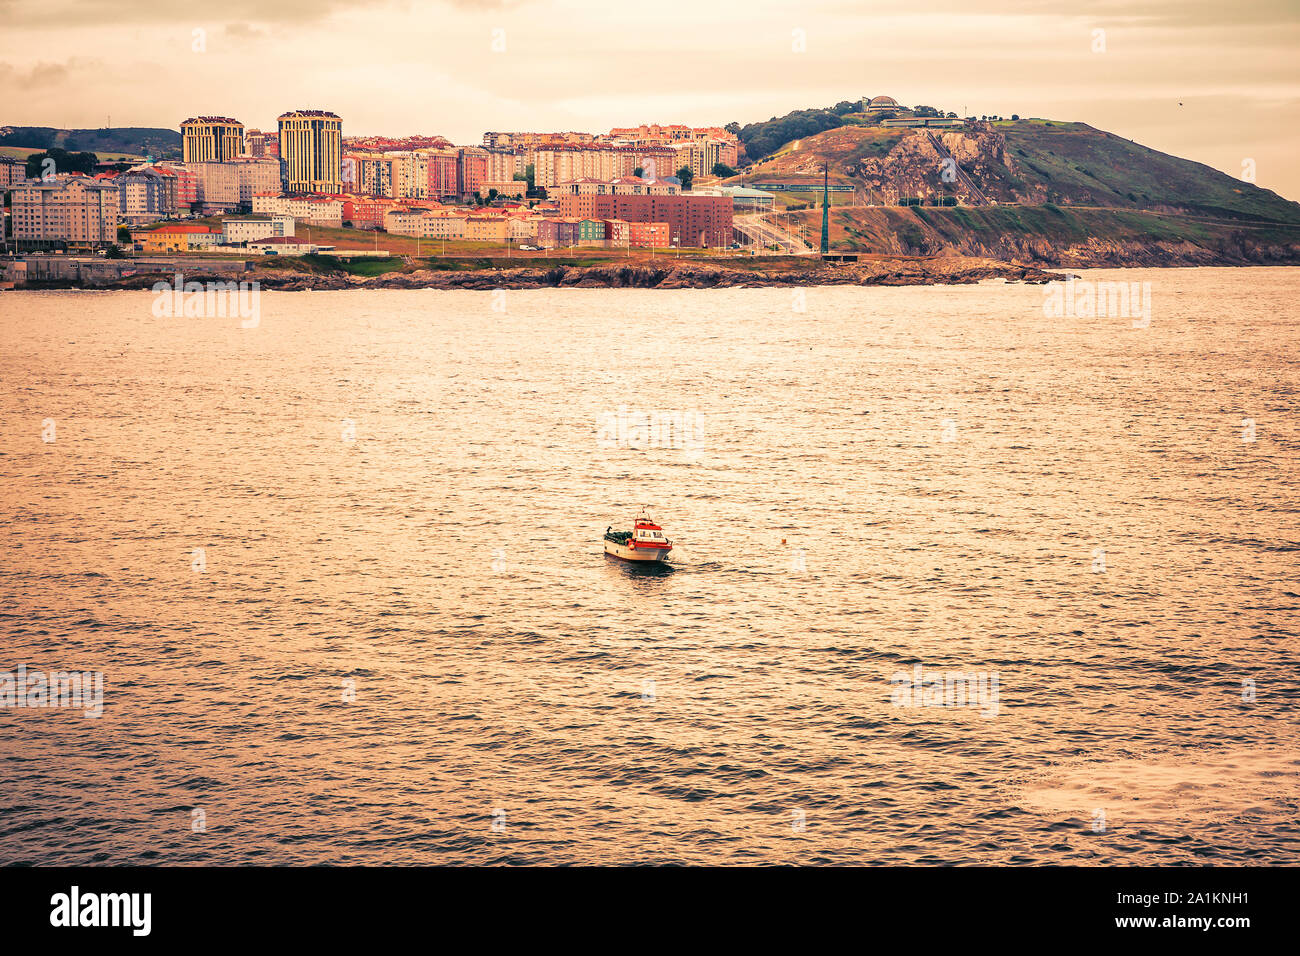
(1212, 81)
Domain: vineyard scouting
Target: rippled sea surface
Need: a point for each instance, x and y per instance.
(410, 648)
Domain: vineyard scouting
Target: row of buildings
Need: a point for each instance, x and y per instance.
(77, 210)
(275, 234)
(315, 157)
(308, 172)
(677, 145)
(307, 150)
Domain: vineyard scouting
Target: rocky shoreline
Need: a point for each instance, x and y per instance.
(669, 275)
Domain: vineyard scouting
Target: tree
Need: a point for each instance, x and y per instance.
(687, 176)
(114, 252)
(492, 195)
(763, 139)
(733, 128)
(722, 169)
(64, 162)
(637, 172)
(123, 234)
(1015, 116)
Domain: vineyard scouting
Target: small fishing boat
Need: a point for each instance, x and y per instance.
(645, 542)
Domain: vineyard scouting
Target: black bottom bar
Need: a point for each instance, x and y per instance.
(326, 905)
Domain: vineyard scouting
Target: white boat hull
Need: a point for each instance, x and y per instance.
(639, 553)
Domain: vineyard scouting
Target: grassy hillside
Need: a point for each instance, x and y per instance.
(1071, 164)
(762, 139)
(1080, 164)
(842, 148)
(123, 140)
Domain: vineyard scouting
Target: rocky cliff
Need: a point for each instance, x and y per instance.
(675, 275)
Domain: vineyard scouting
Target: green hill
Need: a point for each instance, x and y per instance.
(1022, 162)
(1027, 190)
(1080, 165)
(763, 139)
(129, 140)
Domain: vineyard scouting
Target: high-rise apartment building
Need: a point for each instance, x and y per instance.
(311, 150)
(471, 170)
(444, 178)
(211, 139)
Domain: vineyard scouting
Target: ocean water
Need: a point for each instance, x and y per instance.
(342, 576)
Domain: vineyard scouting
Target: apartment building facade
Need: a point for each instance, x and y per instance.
(444, 179)
(145, 195)
(236, 231)
(695, 221)
(216, 187)
(211, 139)
(312, 210)
(65, 210)
(626, 186)
(260, 145)
(649, 235)
(255, 176)
(12, 172)
(471, 170)
(311, 150)
(425, 223)
(177, 237)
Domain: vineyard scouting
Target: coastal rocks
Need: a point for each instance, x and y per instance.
(671, 274)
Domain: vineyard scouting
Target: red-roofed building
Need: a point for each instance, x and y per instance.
(177, 237)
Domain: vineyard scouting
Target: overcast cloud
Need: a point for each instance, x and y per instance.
(1211, 81)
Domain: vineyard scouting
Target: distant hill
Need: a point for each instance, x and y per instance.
(1080, 165)
(129, 140)
(1024, 162)
(1027, 190)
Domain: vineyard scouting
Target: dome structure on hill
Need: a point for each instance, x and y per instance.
(883, 103)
